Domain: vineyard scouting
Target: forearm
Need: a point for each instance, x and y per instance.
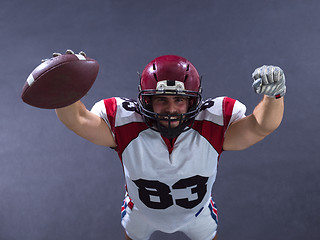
(268, 114)
(71, 116)
(86, 124)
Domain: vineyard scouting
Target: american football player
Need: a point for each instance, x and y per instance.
(169, 141)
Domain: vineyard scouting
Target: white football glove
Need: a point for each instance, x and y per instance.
(270, 81)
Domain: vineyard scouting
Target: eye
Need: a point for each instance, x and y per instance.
(180, 99)
(160, 100)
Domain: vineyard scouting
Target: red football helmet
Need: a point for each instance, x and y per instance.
(169, 75)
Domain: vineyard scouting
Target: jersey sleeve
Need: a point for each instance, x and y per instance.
(215, 117)
(233, 110)
(222, 111)
(107, 110)
(122, 118)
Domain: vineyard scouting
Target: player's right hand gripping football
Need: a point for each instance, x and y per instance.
(270, 81)
(69, 51)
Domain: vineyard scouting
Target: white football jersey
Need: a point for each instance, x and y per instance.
(169, 183)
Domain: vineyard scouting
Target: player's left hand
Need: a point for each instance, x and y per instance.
(269, 80)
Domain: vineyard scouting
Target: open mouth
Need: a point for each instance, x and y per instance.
(167, 118)
(170, 121)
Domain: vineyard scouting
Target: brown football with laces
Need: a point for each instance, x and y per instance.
(60, 81)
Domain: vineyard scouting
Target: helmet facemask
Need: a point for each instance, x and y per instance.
(155, 120)
(169, 75)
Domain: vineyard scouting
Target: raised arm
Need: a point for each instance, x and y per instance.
(267, 115)
(86, 124)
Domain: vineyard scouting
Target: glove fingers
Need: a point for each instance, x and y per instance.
(255, 74)
(276, 74)
(257, 85)
(261, 73)
(269, 73)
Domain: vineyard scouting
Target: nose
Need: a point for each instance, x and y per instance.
(171, 107)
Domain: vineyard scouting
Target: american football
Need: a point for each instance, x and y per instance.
(60, 81)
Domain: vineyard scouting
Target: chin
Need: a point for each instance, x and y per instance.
(172, 125)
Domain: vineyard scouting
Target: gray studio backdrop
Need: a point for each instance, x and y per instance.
(55, 185)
